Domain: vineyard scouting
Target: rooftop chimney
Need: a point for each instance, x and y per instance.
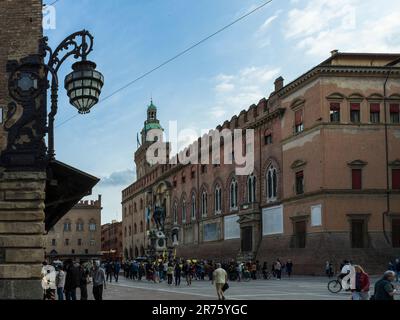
(278, 84)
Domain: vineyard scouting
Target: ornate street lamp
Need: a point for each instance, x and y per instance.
(83, 84)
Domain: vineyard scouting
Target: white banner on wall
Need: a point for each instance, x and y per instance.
(231, 227)
(272, 220)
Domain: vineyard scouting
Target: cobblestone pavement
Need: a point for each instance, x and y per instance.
(297, 288)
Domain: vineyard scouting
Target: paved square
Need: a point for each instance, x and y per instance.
(297, 288)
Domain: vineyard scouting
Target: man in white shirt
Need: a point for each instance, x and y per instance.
(346, 274)
(220, 278)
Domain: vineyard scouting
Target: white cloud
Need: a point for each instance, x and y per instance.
(267, 23)
(320, 26)
(235, 92)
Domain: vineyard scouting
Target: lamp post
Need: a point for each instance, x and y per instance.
(83, 84)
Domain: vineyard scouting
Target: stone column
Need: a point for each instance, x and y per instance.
(22, 197)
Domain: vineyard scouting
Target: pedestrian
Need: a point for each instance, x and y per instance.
(170, 273)
(254, 271)
(178, 271)
(60, 282)
(72, 280)
(289, 268)
(109, 270)
(49, 282)
(141, 271)
(384, 289)
(220, 278)
(84, 275)
(117, 269)
(362, 283)
(239, 270)
(278, 269)
(188, 273)
(99, 281)
(165, 270)
(328, 269)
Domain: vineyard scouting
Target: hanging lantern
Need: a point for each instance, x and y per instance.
(84, 85)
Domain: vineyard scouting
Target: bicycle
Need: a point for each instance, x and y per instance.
(335, 286)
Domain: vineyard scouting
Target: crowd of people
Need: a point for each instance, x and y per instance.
(173, 270)
(64, 279)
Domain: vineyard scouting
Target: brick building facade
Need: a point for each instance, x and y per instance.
(111, 241)
(326, 180)
(77, 235)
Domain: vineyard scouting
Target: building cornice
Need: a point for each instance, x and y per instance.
(334, 71)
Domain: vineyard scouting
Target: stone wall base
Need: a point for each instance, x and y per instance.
(24, 289)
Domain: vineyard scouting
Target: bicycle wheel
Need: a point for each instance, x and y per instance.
(334, 286)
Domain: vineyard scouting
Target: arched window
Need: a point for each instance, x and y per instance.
(125, 232)
(130, 230)
(135, 228)
(141, 226)
(234, 194)
(193, 207)
(136, 252)
(79, 226)
(175, 212)
(272, 184)
(92, 225)
(217, 199)
(204, 203)
(251, 188)
(67, 225)
(184, 210)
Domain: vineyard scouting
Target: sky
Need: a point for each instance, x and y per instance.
(206, 86)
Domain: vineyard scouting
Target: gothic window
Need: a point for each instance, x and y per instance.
(67, 225)
(53, 242)
(272, 184)
(130, 230)
(234, 194)
(175, 213)
(184, 211)
(135, 228)
(141, 226)
(92, 225)
(251, 188)
(79, 226)
(204, 203)
(218, 199)
(193, 207)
